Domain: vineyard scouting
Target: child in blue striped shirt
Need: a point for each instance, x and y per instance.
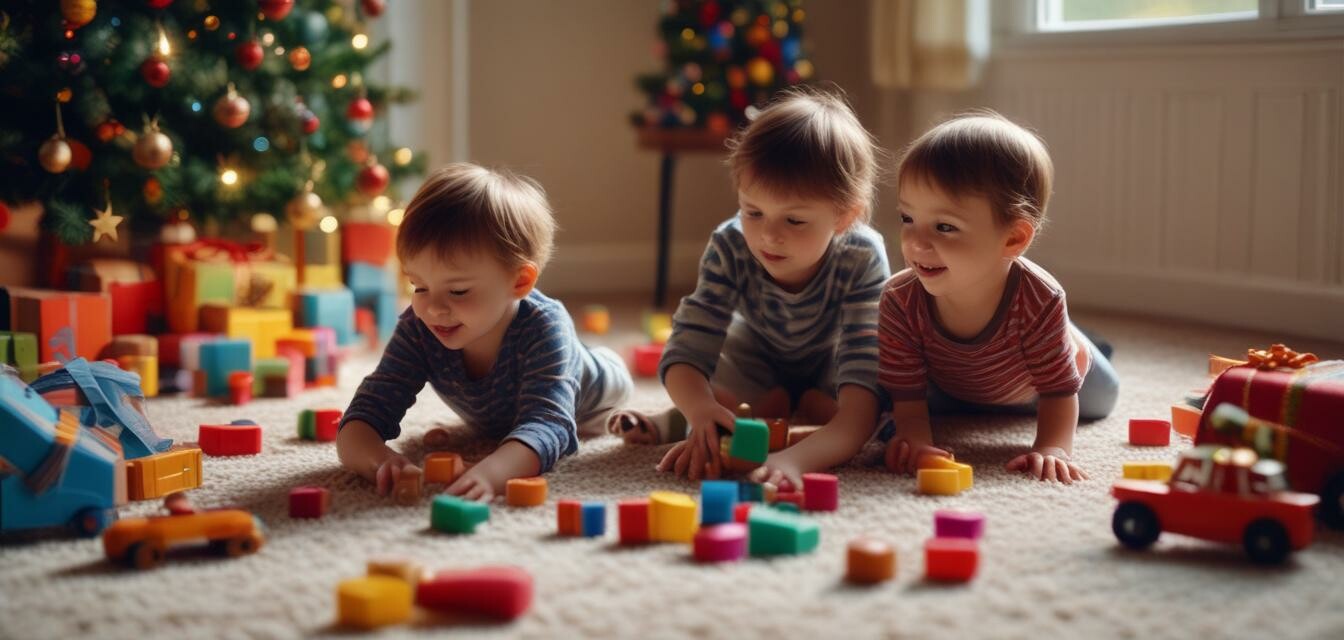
(503, 356)
(784, 316)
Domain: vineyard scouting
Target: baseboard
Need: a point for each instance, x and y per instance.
(619, 267)
(1286, 308)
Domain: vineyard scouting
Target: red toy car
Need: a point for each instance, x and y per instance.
(1220, 494)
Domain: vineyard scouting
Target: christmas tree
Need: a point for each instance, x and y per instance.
(156, 110)
(721, 57)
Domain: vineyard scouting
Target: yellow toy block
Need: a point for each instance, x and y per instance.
(965, 475)
(1147, 470)
(658, 326)
(176, 469)
(671, 517)
(262, 326)
(443, 467)
(147, 367)
(374, 601)
(404, 569)
(938, 482)
(320, 276)
(1185, 419)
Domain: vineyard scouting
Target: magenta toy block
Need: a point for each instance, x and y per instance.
(308, 502)
(821, 492)
(721, 542)
(958, 524)
(1149, 433)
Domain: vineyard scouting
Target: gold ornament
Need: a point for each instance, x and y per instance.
(55, 154)
(105, 224)
(154, 149)
(305, 209)
(78, 12)
(231, 110)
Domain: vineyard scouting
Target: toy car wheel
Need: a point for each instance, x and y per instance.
(1135, 525)
(1266, 541)
(1332, 502)
(243, 545)
(91, 521)
(144, 555)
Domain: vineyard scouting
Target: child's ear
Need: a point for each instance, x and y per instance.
(526, 280)
(1020, 235)
(848, 217)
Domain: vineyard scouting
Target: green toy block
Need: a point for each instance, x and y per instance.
(307, 425)
(19, 349)
(452, 514)
(774, 532)
(264, 368)
(751, 440)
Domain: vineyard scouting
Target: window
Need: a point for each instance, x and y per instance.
(1093, 15)
(1321, 6)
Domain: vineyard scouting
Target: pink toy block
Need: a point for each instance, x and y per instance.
(646, 359)
(1149, 433)
(950, 559)
(230, 439)
(741, 512)
(721, 542)
(308, 502)
(497, 592)
(821, 492)
(958, 524)
(633, 520)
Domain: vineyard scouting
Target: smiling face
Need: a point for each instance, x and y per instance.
(466, 298)
(789, 236)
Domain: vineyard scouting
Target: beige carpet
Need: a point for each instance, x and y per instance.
(1050, 566)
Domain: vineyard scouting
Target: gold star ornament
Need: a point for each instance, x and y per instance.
(105, 224)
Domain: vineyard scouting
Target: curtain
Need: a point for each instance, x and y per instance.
(929, 44)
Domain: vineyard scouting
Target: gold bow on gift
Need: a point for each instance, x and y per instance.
(1277, 356)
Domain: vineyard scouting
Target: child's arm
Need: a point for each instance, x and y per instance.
(1057, 368)
(833, 444)
(1056, 420)
(488, 478)
(913, 438)
(694, 397)
(363, 451)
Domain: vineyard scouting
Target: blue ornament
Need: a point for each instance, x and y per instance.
(313, 28)
(791, 49)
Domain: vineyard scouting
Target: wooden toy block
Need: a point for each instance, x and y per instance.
(1149, 433)
(671, 516)
(717, 499)
(147, 367)
(965, 474)
(632, 518)
(452, 514)
(443, 467)
(332, 308)
(369, 242)
(950, 559)
(869, 561)
(321, 424)
(220, 358)
(504, 593)
(131, 345)
(751, 440)
(723, 542)
(229, 439)
(958, 524)
(308, 502)
(779, 434)
(569, 518)
(938, 482)
(261, 326)
(370, 602)
(646, 359)
(66, 323)
(774, 532)
(240, 387)
(741, 511)
(1185, 419)
(408, 486)
(525, 492)
(134, 304)
(596, 319)
(821, 492)
(750, 492)
(404, 569)
(1148, 470)
(594, 519)
(19, 349)
(797, 434)
(160, 474)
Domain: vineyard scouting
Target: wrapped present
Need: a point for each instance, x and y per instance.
(223, 272)
(322, 276)
(262, 326)
(67, 324)
(368, 281)
(99, 273)
(137, 307)
(334, 308)
(369, 242)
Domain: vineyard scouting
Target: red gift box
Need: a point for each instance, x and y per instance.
(67, 323)
(366, 242)
(133, 304)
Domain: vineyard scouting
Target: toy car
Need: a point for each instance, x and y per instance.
(1220, 494)
(141, 542)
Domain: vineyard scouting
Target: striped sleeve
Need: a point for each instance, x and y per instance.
(701, 321)
(857, 351)
(384, 396)
(1047, 349)
(548, 391)
(902, 368)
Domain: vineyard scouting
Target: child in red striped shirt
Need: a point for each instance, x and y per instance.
(971, 323)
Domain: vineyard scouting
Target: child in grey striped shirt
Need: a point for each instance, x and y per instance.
(784, 315)
(503, 356)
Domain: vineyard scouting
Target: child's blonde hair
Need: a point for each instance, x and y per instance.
(809, 144)
(985, 154)
(467, 207)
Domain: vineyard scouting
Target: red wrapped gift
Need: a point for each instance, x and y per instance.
(67, 323)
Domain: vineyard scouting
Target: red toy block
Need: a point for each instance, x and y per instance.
(633, 520)
(950, 559)
(569, 518)
(328, 422)
(366, 326)
(497, 592)
(240, 387)
(1149, 433)
(720, 542)
(821, 492)
(793, 497)
(646, 359)
(742, 511)
(308, 502)
(230, 439)
(779, 433)
(133, 303)
(366, 242)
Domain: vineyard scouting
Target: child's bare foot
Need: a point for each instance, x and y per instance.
(437, 438)
(633, 427)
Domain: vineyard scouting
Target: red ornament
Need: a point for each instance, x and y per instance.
(158, 4)
(232, 110)
(80, 156)
(310, 123)
(373, 8)
(249, 54)
(360, 109)
(276, 9)
(155, 72)
(373, 179)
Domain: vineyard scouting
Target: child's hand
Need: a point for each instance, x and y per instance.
(778, 469)
(475, 484)
(389, 471)
(699, 454)
(904, 453)
(1048, 463)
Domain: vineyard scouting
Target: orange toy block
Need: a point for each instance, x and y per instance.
(443, 467)
(404, 569)
(525, 492)
(938, 482)
(779, 433)
(596, 319)
(950, 559)
(1185, 419)
(1149, 433)
(870, 561)
(67, 323)
(176, 469)
(374, 601)
(408, 487)
(569, 518)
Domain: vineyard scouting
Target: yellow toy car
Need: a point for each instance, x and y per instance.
(141, 542)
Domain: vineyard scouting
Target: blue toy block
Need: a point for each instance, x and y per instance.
(334, 308)
(594, 517)
(750, 492)
(751, 440)
(452, 514)
(386, 312)
(717, 500)
(368, 281)
(219, 359)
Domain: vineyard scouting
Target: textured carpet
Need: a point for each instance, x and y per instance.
(1050, 566)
